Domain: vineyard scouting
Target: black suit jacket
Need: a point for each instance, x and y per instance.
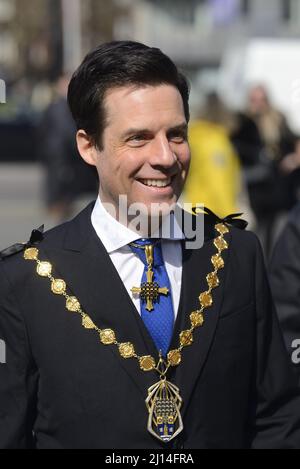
(60, 381)
(285, 283)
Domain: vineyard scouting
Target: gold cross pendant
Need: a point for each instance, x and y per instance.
(149, 291)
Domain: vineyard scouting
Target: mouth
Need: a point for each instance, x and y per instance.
(160, 183)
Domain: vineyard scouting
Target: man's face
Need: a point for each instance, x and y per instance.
(145, 152)
(258, 101)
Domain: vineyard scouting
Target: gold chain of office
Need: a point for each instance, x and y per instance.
(163, 401)
(108, 336)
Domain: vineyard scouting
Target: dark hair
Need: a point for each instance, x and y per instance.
(114, 64)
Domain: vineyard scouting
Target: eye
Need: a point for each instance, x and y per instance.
(178, 137)
(138, 139)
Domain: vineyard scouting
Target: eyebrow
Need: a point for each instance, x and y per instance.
(181, 128)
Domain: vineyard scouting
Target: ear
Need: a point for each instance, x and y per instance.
(86, 147)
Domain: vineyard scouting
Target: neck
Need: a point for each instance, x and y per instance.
(142, 222)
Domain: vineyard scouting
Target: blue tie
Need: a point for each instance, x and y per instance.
(160, 320)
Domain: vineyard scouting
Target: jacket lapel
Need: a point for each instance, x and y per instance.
(90, 275)
(196, 265)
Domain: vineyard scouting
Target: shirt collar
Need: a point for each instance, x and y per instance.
(115, 235)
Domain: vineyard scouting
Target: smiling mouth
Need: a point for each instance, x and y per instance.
(156, 182)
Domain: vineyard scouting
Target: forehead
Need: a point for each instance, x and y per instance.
(160, 105)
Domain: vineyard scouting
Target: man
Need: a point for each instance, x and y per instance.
(215, 176)
(263, 140)
(59, 155)
(285, 283)
(118, 339)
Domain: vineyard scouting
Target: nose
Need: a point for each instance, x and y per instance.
(162, 153)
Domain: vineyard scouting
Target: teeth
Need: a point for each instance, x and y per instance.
(156, 182)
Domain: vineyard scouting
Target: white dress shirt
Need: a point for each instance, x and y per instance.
(115, 237)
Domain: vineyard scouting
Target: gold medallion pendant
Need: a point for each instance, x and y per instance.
(163, 404)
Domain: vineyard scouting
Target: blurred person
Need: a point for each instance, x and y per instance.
(285, 283)
(42, 96)
(215, 177)
(108, 344)
(277, 137)
(67, 176)
(290, 165)
(262, 139)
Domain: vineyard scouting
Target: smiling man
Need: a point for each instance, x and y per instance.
(119, 336)
(145, 153)
(142, 151)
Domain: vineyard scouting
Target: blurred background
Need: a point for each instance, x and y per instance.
(242, 60)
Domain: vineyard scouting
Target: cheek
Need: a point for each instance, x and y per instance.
(184, 158)
(131, 162)
(109, 165)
